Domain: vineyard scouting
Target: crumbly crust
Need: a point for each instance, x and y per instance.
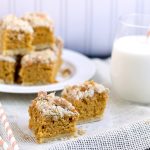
(43, 57)
(53, 106)
(84, 90)
(39, 19)
(11, 22)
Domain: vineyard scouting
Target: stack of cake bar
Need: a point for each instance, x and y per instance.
(30, 53)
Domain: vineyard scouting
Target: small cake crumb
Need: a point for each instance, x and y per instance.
(81, 131)
(147, 122)
(65, 72)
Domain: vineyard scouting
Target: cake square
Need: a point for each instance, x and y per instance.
(51, 116)
(43, 30)
(7, 69)
(39, 67)
(89, 99)
(15, 36)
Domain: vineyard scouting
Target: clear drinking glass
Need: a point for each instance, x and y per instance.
(130, 64)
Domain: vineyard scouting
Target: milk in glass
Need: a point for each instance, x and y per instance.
(130, 68)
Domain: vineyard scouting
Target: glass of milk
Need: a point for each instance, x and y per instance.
(130, 64)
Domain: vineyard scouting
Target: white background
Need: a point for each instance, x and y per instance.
(86, 25)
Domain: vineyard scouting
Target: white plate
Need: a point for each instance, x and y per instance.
(82, 69)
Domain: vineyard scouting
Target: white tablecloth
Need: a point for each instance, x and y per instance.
(126, 125)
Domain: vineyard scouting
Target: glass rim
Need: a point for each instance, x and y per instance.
(123, 20)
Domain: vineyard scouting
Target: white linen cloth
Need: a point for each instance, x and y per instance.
(126, 125)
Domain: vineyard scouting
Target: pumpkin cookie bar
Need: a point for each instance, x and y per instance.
(51, 116)
(43, 30)
(39, 67)
(89, 99)
(15, 36)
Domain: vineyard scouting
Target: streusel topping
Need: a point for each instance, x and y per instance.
(7, 58)
(11, 22)
(39, 19)
(54, 106)
(43, 57)
(84, 90)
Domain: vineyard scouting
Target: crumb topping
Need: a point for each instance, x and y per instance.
(39, 19)
(7, 58)
(11, 22)
(84, 90)
(54, 106)
(65, 72)
(43, 57)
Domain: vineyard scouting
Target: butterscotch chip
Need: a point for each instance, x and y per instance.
(89, 99)
(51, 116)
(15, 36)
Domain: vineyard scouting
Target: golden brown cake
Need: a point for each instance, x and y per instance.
(39, 67)
(15, 36)
(7, 69)
(89, 99)
(51, 116)
(43, 30)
